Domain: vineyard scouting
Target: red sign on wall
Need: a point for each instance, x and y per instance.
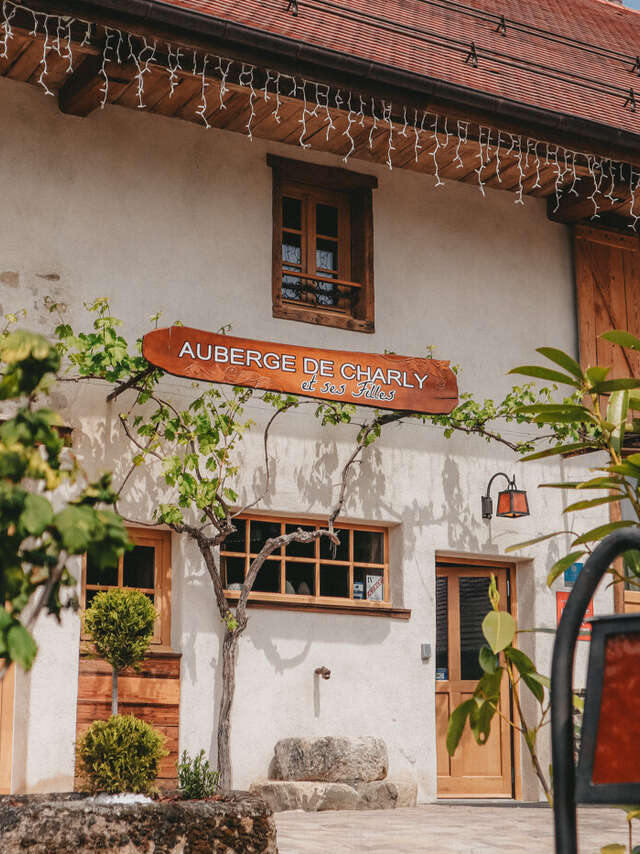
(561, 600)
(367, 379)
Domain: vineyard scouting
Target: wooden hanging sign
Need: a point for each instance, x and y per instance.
(408, 383)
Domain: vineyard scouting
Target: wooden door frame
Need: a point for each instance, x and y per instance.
(497, 562)
(7, 694)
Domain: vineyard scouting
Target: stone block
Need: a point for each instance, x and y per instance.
(386, 795)
(281, 795)
(331, 759)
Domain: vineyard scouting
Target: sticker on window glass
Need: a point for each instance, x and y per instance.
(375, 587)
(442, 674)
(358, 590)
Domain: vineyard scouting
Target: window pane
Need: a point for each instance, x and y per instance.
(268, 579)
(326, 255)
(368, 547)
(292, 213)
(236, 542)
(260, 532)
(233, 570)
(300, 549)
(138, 567)
(301, 578)
(442, 628)
(327, 220)
(474, 606)
(330, 551)
(372, 581)
(334, 580)
(326, 293)
(291, 249)
(291, 287)
(95, 575)
(90, 596)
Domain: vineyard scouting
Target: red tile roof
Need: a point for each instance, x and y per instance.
(571, 57)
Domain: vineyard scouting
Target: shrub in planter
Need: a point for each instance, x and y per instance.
(120, 623)
(120, 755)
(196, 780)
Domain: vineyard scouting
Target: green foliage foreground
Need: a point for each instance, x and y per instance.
(36, 540)
(120, 755)
(196, 780)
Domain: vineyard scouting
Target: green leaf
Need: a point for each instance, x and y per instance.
(622, 339)
(578, 702)
(36, 515)
(559, 449)
(480, 718)
(518, 658)
(601, 531)
(560, 565)
(591, 502)
(22, 647)
(488, 660)
(499, 629)
(614, 848)
(544, 374)
(617, 413)
(540, 539)
(534, 686)
(615, 385)
(543, 680)
(563, 359)
(597, 374)
(456, 724)
(76, 526)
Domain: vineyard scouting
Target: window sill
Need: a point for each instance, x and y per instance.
(323, 605)
(323, 318)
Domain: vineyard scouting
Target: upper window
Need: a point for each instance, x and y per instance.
(146, 567)
(355, 573)
(322, 245)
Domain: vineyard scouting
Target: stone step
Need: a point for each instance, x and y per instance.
(314, 796)
(331, 759)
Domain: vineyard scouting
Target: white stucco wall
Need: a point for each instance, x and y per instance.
(161, 215)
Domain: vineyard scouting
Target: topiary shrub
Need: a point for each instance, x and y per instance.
(120, 623)
(120, 755)
(196, 780)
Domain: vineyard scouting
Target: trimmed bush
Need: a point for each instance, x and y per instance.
(120, 623)
(120, 755)
(196, 780)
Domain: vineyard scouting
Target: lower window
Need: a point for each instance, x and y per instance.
(356, 572)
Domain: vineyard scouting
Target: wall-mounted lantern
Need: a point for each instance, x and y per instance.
(609, 762)
(512, 502)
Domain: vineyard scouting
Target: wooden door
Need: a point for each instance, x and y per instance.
(462, 602)
(6, 730)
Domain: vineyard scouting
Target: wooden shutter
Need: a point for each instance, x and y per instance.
(607, 266)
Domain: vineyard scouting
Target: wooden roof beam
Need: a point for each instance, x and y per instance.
(581, 208)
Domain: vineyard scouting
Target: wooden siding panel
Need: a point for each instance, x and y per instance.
(151, 694)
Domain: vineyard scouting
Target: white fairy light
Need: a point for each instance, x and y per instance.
(339, 99)
(481, 157)
(269, 77)
(224, 74)
(375, 123)
(499, 143)
(276, 112)
(106, 49)
(6, 28)
(613, 199)
(361, 111)
(245, 78)
(87, 36)
(46, 47)
(574, 173)
(386, 117)
(203, 108)
(463, 134)
(447, 134)
(405, 123)
(593, 164)
(142, 63)
(417, 148)
(633, 189)
(434, 153)
(303, 119)
(68, 49)
(516, 145)
(323, 93)
(347, 132)
(173, 63)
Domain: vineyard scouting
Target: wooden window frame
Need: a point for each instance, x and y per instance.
(318, 602)
(352, 193)
(161, 542)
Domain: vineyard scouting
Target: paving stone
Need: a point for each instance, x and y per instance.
(332, 759)
(281, 795)
(386, 795)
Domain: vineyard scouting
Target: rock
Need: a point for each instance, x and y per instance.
(386, 795)
(240, 823)
(331, 760)
(281, 795)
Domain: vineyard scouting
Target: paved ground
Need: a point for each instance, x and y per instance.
(442, 829)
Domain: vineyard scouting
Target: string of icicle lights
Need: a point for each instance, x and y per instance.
(430, 134)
